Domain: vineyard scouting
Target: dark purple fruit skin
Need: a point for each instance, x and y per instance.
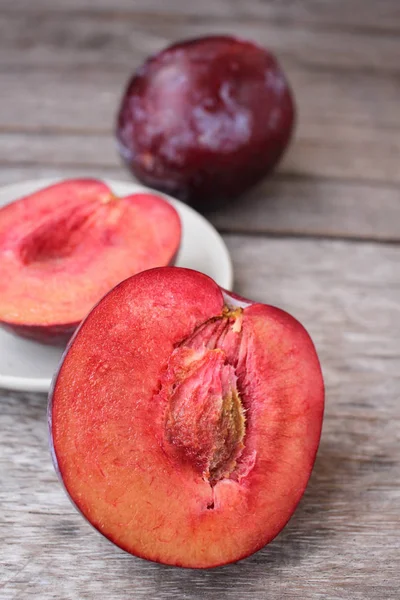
(206, 119)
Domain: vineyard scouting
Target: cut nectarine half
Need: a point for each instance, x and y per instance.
(185, 422)
(63, 247)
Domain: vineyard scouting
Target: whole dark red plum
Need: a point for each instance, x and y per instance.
(206, 119)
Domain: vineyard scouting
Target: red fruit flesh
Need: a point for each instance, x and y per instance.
(206, 119)
(185, 424)
(63, 247)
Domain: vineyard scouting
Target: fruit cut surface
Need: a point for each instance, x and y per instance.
(63, 247)
(184, 423)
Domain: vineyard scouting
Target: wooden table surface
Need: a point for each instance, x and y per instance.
(320, 239)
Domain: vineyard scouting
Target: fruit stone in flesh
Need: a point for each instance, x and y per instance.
(184, 422)
(63, 247)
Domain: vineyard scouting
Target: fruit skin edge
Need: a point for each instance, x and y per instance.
(50, 419)
(51, 335)
(232, 300)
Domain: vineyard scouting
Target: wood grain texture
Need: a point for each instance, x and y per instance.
(321, 13)
(64, 99)
(62, 73)
(63, 65)
(80, 38)
(340, 156)
(347, 127)
(343, 541)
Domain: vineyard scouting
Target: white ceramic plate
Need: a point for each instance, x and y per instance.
(29, 366)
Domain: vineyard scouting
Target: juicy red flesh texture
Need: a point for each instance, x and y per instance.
(169, 469)
(206, 119)
(64, 247)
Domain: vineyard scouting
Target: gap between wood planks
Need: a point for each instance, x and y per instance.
(312, 13)
(178, 18)
(352, 239)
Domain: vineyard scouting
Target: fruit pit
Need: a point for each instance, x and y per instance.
(205, 421)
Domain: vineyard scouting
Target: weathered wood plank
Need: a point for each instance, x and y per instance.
(315, 207)
(348, 121)
(343, 541)
(62, 66)
(341, 13)
(348, 125)
(303, 206)
(54, 40)
(86, 99)
(80, 149)
(345, 152)
(61, 101)
(340, 152)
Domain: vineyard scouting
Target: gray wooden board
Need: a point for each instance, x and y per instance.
(78, 97)
(342, 543)
(341, 14)
(55, 40)
(308, 156)
(62, 73)
(347, 127)
(347, 155)
(63, 65)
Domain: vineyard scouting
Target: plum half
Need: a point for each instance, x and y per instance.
(185, 422)
(206, 119)
(63, 247)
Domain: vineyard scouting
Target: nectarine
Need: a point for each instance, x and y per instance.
(185, 422)
(63, 247)
(206, 118)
